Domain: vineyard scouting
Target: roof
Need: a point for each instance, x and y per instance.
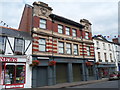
(65, 20)
(15, 33)
(101, 38)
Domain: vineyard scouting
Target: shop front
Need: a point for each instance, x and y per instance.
(14, 72)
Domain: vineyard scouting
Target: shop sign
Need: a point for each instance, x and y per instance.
(14, 86)
(8, 59)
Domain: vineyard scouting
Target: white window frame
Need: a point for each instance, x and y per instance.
(43, 23)
(60, 46)
(68, 48)
(60, 29)
(75, 49)
(19, 45)
(86, 35)
(67, 30)
(42, 43)
(88, 50)
(2, 43)
(74, 32)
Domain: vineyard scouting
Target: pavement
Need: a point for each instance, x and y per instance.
(64, 85)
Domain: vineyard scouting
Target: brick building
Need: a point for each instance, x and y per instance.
(60, 40)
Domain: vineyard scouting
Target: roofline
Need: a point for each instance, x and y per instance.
(65, 20)
(10, 28)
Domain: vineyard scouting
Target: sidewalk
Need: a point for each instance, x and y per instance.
(63, 85)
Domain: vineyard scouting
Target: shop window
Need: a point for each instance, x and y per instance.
(68, 48)
(61, 47)
(13, 73)
(75, 48)
(43, 23)
(19, 45)
(74, 32)
(2, 44)
(60, 29)
(67, 31)
(42, 45)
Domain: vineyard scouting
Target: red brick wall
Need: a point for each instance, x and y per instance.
(26, 20)
(49, 25)
(36, 21)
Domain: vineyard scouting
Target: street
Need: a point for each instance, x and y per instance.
(106, 84)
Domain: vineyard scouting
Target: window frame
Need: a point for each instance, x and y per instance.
(68, 48)
(75, 49)
(59, 47)
(4, 44)
(41, 23)
(88, 50)
(22, 50)
(42, 45)
(67, 29)
(87, 35)
(74, 34)
(60, 29)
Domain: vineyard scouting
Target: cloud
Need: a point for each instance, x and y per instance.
(101, 13)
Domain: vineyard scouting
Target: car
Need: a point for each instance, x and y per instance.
(114, 76)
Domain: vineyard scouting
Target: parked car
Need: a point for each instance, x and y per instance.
(114, 75)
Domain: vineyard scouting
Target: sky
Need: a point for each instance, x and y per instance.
(103, 14)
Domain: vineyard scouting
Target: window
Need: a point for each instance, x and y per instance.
(110, 56)
(75, 48)
(61, 47)
(19, 45)
(97, 42)
(42, 45)
(2, 44)
(60, 29)
(109, 47)
(99, 56)
(74, 33)
(14, 73)
(105, 56)
(43, 23)
(68, 48)
(88, 50)
(67, 31)
(104, 46)
(86, 35)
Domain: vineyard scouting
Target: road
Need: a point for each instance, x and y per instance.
(106, 84)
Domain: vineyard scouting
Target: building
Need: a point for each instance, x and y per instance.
(105, 53)
(66, 44)
(15, 57)
(116, 48)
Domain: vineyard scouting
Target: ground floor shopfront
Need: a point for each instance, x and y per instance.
(65, 70)
(105, 69)
(15, 72)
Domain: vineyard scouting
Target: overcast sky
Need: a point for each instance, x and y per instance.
(103, 14)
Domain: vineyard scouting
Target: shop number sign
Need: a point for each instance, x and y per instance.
(8, 59)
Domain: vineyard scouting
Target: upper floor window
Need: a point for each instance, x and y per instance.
(60, 29)
(86, 35)
(75, 48)
(2, 44)
(110, 56)
(99, 58)
(19, 45)
(74, 32)
(88, 50)
(109, 47)
(42, 45)
(60, 47)
(67, 31)
(97, 43)
(68, 48)
(43, 23)
(104, 46)
(105, 56)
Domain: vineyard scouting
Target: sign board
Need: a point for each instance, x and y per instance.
(14, 86)
(8, 59)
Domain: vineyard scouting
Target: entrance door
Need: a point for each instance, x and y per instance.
(42, 79)
(77, 72)
(61, 73)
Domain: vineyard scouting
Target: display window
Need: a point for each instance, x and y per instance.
(13, 73)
